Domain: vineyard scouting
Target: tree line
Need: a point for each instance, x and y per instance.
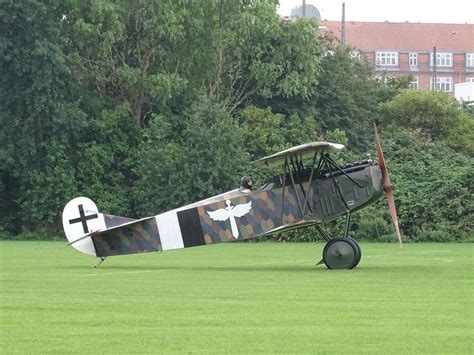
(144, 106)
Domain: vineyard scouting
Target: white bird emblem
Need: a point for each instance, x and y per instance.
(230, 212)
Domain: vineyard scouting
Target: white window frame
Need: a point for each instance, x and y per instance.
(355, 55)
(386, 59)
(413, 59)
(415, 83)
(384, 78)
(443, 83)
(443, 59)
(469, 80)
(469, 59)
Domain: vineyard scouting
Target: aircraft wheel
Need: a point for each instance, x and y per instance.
(341, 253)
(358, 250)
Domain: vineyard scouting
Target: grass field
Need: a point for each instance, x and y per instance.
(237, 298)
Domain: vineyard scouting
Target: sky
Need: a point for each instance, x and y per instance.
(427, 11)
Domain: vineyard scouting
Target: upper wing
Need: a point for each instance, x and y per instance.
(240, 210)
(302, 151)
(219, 215)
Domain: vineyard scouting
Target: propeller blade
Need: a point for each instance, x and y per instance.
(393, 214)
(387, 186)
(381, 160)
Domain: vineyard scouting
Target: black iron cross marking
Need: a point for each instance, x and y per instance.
(83, 219)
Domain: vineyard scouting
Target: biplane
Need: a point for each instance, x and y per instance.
(310, 189)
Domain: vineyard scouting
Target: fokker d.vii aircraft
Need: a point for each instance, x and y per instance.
(302, 195)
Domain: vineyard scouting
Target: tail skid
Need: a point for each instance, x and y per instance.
(101, 260)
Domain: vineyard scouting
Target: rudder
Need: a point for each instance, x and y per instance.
(81, 217)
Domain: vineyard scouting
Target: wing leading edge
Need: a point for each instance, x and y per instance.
(302, 151)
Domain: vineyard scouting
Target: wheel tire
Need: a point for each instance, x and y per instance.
(358, 250)
(341, 253)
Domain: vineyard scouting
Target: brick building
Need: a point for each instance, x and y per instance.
(400, 49)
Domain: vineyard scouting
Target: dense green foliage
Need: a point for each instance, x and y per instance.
(145, 106)
(435, 114)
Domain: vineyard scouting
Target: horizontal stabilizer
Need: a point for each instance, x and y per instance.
(99, 232)
(115, 221)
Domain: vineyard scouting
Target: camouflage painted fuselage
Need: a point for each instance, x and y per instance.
(273, 208)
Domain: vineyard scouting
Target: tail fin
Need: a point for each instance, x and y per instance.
(81, 217)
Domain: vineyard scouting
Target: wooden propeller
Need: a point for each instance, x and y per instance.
(387, 186)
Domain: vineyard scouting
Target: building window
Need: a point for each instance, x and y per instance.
(415, 84)
(413, 59)
(442, 84)
(386, 58)
(442, 59)
(469, 80)
(469, 59)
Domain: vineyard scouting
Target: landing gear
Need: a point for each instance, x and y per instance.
(358, 249)
(341, 253)
(102, 259)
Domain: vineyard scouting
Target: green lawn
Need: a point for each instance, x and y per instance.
(237, 298)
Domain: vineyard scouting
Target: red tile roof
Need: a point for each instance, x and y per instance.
(406, 36)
